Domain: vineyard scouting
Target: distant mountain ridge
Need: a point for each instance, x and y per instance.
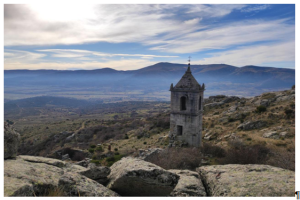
(171, 69)
(219, 78)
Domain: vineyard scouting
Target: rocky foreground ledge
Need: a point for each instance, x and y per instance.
(247, 180)
(36, 176)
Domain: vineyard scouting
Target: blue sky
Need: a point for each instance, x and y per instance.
(126, 37)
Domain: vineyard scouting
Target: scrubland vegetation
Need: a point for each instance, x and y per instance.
(107, 132)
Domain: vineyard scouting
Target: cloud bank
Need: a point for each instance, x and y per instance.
(169, 31)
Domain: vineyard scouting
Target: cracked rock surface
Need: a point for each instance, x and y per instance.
(135, 177)
(247, 180)
(188, 185)
(36, 176)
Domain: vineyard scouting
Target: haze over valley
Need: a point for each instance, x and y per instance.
(151, 83)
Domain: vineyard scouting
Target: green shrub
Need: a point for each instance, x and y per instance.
(145, 142)
(91, 150)
(289, 112)
(97, 162)
(116, 149)
(99, 148)
(9, 122)
(230, 119)
(92, 146)
(110, 159)
(261, 108)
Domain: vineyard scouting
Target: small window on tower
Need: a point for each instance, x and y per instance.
(183, 103)
(179, 130)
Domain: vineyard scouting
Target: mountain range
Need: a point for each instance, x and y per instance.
(218, 78)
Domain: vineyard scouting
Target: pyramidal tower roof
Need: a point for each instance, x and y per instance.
(187, 83)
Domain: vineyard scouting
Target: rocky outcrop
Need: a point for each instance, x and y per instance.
(189, 184)
(266, 99)
(70, 138)
(210, 136)
(249, 125)
(264, 102)
(147, 154)
(271, 134)
(22, 178)
(84, 163)
(75, 184)
(213, 105)
(230, 99)
(219, 100)
(216, 98)
(69, 153)
(135, 177)
(97, 173)
(285, 98)
(11, 141)
(36, 176)
(247, 180)
(49, 161)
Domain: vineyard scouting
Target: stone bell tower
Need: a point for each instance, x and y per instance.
(186, 111)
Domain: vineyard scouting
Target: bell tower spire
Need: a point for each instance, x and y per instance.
(189, 69)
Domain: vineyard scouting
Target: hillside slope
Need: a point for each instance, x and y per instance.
(262, 126)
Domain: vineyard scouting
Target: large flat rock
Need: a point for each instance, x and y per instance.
(22, 178)
(247, 180)
(188, 185)
(39, 159)
(75, 184)
(36, 176)
(135, 177)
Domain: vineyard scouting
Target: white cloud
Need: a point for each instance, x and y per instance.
(77, 53)
(160, 26)
(128, 64)
(229, 35)
(193, 21)
(75, 58)
(24, 56)
(214, 10)
(254, 55)
(52, 24)
(255, 8)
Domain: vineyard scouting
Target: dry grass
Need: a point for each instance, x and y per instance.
(239, 153)
(283, 158)
(55, 192)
